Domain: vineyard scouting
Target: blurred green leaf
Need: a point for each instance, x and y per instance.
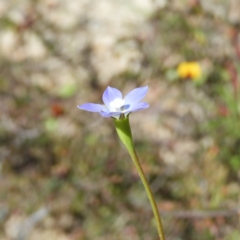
(67, 90)
(234, 235)
(51, 124)
(171, 75)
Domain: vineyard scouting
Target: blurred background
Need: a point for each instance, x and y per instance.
(64, 174)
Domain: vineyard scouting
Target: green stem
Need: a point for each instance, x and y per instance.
(149, 193)
(124, 133)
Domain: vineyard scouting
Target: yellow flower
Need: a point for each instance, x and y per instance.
(189, 70)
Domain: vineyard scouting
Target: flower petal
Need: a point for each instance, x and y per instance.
(110, 94)
(92, 107)
(135, 96)
(138, 107)
(110, 114)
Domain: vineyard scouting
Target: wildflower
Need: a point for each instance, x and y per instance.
(115, 105)
(189, 70)
(119, 108)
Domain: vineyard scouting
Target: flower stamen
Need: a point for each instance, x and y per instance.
(116, 104)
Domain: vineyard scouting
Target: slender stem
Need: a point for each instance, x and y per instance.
(137, 164)
(125, 134)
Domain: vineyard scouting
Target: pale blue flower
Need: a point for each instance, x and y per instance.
(115, 105)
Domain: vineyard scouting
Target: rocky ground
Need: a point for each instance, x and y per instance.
(57, 54)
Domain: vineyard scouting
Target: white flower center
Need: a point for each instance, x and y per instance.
(116, 105)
